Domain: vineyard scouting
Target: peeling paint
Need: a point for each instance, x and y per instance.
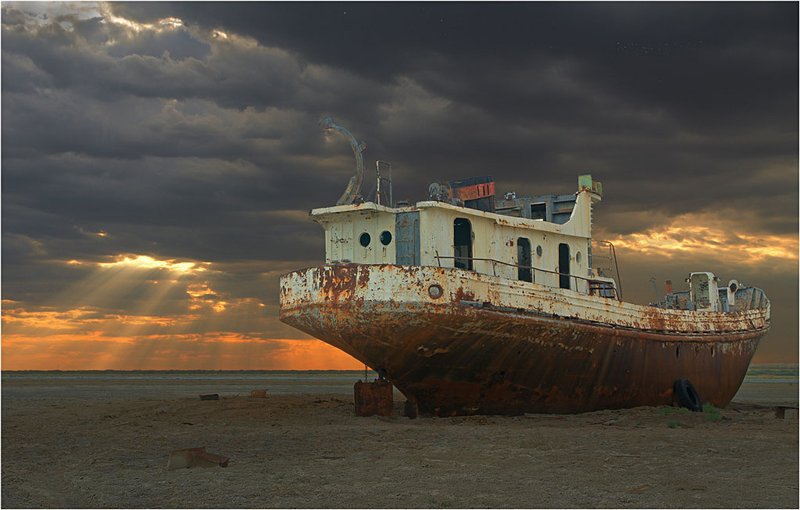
(487, 347)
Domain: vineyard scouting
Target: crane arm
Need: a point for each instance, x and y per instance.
(354, 186)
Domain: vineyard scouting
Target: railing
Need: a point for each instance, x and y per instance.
(593, 285)
(612, 257)
(603, 289)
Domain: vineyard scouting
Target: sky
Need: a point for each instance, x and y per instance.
(159, 159)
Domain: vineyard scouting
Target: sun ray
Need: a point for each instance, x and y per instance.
(150, 303)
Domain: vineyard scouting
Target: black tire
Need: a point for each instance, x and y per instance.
(687, 395)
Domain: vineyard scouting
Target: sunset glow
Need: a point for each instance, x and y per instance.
(705, 236)
(89, 339)
(147, 262)
(95, 351)
(169, 23)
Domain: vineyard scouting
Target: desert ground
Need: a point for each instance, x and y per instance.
(88, 446)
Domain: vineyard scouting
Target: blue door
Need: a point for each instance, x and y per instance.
(406, 229)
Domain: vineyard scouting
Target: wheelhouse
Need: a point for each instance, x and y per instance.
(474, 233)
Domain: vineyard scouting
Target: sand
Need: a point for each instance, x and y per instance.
(100, 449)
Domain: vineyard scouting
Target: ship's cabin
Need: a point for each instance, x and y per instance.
(545, 239)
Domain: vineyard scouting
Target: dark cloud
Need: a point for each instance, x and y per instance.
(692, 59)
(195, 137)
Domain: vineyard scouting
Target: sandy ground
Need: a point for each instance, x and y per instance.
(311, 451)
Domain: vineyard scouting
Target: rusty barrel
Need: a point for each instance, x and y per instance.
(373, 398)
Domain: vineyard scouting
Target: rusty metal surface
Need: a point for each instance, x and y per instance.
(373, 398)
(490, 346)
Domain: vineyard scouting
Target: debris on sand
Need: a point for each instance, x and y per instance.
(195, 457)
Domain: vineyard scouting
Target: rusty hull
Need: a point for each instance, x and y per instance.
(468, 352)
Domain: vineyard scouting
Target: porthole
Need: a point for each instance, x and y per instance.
(386, 237)
(435, 291)
(364, 239)
(578, 257)
(539, 251)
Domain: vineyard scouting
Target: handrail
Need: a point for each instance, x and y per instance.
(533, 273)
(616, 264)
(534, 268)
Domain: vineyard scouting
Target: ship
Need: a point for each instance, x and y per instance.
(472, 304)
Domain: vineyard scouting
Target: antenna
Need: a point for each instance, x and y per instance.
(655, 288)
(388, 181)
(378, 184)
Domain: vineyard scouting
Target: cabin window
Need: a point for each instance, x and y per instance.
(563, 266)
(386, 237)
(364, 239)
(539, 250)
(539, 211)
(524, 272)
(462, 243)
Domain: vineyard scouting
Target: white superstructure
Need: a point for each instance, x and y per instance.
(434, 233)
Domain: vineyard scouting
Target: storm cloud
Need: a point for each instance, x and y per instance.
(188, 132)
